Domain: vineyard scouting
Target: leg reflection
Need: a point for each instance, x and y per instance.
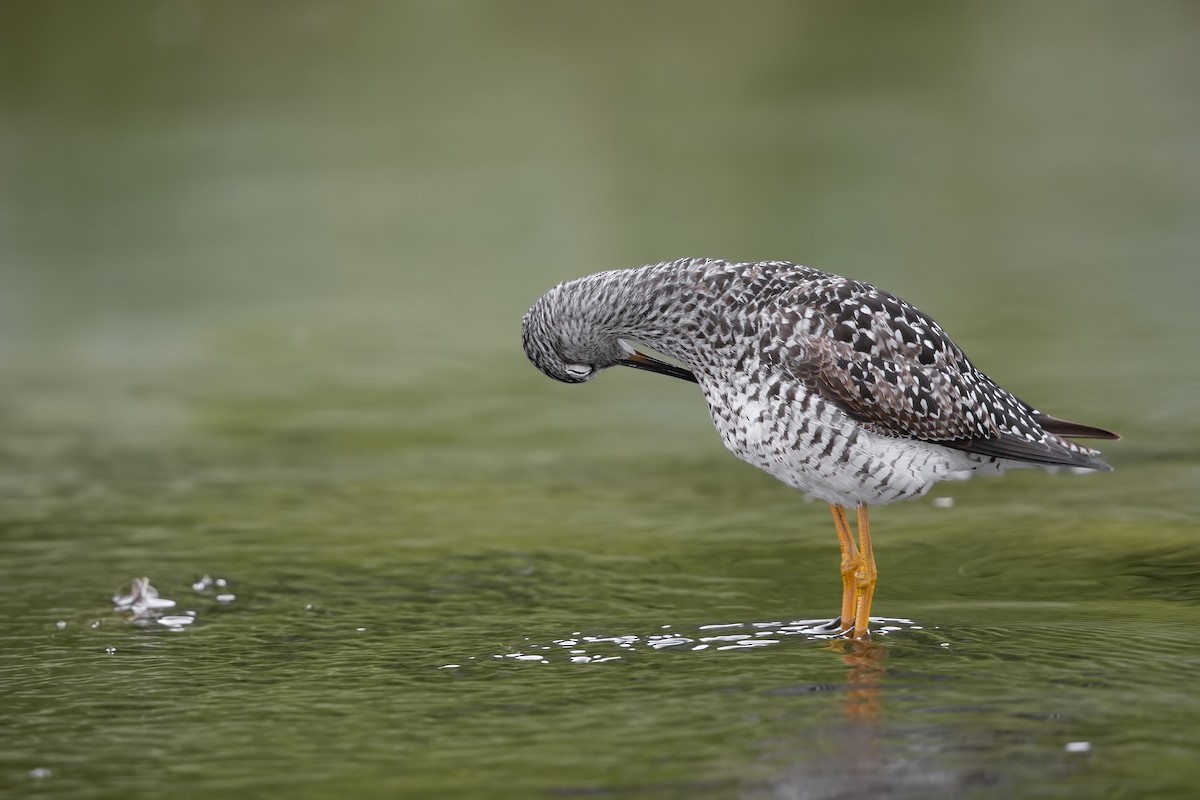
(865, 662)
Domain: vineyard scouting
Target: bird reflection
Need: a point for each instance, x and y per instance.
(864, 660)
(863, 700)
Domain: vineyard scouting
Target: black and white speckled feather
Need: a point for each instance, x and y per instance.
(829, 384)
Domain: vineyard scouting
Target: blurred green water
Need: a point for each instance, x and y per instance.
(261, 272)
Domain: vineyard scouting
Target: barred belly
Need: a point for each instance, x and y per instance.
(810, 444)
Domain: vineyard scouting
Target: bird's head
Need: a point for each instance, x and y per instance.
(566, 337)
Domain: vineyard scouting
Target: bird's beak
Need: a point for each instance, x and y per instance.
(642, 361)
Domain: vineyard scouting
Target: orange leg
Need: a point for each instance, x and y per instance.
(850, 563)
(864, 575)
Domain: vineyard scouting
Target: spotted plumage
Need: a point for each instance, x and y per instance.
(829, 384)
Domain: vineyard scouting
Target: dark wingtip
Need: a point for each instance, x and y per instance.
(1073, 430)
(1047, 454)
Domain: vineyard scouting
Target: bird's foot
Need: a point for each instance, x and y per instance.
(835, 627)
(840, 631)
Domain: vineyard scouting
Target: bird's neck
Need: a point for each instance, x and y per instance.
(653, 305)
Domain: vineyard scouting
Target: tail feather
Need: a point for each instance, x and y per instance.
(1071, 430)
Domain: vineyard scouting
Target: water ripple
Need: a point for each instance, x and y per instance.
(581, 648)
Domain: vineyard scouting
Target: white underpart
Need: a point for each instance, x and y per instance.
(792, 442)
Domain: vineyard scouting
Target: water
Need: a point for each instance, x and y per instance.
(261, 275)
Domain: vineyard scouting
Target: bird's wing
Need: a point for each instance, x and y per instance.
(894, 370)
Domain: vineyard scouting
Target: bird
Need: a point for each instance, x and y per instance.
(831, 385)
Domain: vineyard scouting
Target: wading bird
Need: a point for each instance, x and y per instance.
(831, 385)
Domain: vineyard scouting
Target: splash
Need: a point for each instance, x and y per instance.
(142, 604)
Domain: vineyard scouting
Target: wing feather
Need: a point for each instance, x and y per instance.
(893, 369)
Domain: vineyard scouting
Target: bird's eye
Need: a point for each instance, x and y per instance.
(578, 370)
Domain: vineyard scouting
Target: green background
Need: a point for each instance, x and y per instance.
(262, 269)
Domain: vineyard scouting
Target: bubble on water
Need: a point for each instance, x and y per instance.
(202, 583)
(40, 773)
(1078, 747)
(61, 624)
(226, 598)
(449, 666)
(110, 650)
